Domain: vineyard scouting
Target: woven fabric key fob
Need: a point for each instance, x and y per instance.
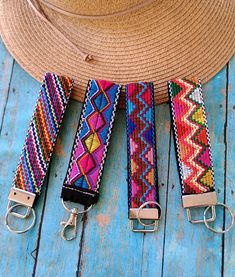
(86, 165)
(91, 143)
(39, 143)
(143, 196)
(194, 150)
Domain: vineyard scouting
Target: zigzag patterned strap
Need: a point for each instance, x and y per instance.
(192, 143)
(83, 177)
(40, 140)
(142, 171)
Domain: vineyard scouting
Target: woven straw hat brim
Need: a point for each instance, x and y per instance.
(164, 40)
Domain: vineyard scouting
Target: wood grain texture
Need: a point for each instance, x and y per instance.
(18, 111)
(229, 238)
(5, 77)
(105, 246)
(109, 253)
(61, 257)
(192, 248)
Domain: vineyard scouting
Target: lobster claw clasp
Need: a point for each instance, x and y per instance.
(71, 223)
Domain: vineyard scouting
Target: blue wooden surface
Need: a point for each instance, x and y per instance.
(105, 246)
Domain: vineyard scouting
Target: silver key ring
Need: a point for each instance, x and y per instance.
(213, 229)
(141, 207)
(9, 212)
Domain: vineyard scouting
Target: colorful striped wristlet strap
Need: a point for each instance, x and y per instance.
(83, 177)
(142, 168)
(193, 147)
(39, 144)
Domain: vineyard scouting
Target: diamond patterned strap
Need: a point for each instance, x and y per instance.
(83, 177)
(191, 136)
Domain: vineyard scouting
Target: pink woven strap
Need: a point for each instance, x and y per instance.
(93, 135)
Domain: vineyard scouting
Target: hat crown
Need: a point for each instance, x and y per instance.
(156, 40)
(93, 7)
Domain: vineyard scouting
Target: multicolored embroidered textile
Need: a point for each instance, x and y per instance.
(191, 135)
(142, 175)
(92, 139)
(42, 132)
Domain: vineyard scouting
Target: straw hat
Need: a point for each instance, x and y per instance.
(128, 40)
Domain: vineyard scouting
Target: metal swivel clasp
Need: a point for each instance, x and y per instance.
(71, 223)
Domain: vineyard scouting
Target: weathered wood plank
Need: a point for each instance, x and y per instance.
(5, 77)
(109, 247)
(16, 258)
(115, 250)
(154, 244)
(192, 249)
(229, 239)
(57, 257)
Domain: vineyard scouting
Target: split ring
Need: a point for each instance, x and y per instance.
(9, 212)
(213, 229)
(141, 207)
